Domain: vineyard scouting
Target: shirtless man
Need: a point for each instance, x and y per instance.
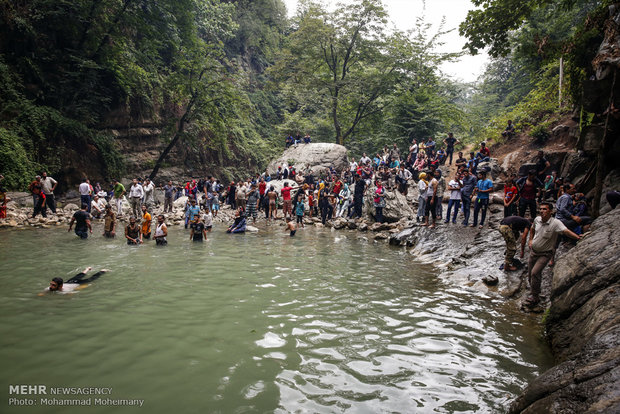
(272, 196)
(75, 283)
(132, 232)
(290, 226)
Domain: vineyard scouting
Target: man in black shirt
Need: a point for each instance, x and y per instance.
(450, 143)
(358, 196)
(542, 165)
(510, 227)
(198, 231)
(461, 162)
(82, 222)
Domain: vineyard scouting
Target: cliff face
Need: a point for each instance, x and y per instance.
(583, 325)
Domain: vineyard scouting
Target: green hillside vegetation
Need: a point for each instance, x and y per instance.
(232, 78)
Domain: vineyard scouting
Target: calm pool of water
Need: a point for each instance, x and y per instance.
(322, 322)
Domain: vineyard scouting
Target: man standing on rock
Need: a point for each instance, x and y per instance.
(168, 193)
(286, 200)
(358, 196)
(119, 192)
(253, 203)
(48, 185)
(38, 197)
(482, 191)
(528, 186)
(149, 193)
(85, 192)
(543, 237)
(136, 193)
(510, 227)
(450, 143)
(469, 183)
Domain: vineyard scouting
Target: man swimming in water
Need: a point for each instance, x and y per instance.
(75, 283)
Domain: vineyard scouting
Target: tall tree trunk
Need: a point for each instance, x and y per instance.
(600, 167)
(337, 127)
(174, 140)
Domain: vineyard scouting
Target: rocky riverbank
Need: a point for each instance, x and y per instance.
(583, 327)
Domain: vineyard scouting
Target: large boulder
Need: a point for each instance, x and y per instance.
(491, 167)
(396, 206)
(315, 157)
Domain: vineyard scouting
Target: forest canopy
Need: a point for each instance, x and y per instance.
(227, 80)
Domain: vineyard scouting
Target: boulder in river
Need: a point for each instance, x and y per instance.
(315, 157)
(396, 206)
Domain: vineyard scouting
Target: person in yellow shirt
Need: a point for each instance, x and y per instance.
(146, 223)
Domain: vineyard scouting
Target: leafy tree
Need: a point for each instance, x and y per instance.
(347, 57)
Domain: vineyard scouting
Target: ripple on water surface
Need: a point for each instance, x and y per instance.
(321, 322)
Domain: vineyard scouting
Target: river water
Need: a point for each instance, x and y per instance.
(322, 322)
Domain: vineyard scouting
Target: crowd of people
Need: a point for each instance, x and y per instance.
(332, 193)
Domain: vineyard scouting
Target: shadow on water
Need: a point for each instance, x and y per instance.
(321, 322)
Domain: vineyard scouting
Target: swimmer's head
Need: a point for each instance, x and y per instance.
(56, 284)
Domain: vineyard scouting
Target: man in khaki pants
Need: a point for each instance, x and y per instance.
(510, 227)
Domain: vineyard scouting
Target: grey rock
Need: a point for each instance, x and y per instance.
(71, 207)
(490, 280)
(315, 157)
(339, 223)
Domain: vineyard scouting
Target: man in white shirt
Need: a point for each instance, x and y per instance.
(454, 186)
(149, 193)
(136, 193)
(48, 185)
(84, 190)
(365, 160)
(543, 236)
(97, 206)
(353, 166)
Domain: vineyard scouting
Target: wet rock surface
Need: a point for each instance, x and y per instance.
(583, 327)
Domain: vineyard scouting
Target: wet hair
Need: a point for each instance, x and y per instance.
(84, 206)
(58, 281)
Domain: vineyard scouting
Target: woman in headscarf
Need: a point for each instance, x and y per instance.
(379, 201)
(422, 186)
(343, 201)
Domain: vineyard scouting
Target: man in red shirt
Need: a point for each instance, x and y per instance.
(483, 154)
(262, 190)
(286, 200)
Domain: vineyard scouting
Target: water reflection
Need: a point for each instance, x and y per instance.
(261, 322)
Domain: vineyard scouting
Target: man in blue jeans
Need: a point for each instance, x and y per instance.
(469, 183)
(482, 191)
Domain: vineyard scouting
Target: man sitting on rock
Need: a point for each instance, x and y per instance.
(565, 210)
(509, 131)
(483, 154)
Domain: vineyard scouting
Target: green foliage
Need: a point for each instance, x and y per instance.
(540, 132)
(17, 168)
(537, 109)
